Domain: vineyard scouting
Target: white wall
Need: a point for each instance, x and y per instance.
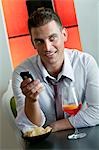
(5, 58)
(98, 32)
(87, 12)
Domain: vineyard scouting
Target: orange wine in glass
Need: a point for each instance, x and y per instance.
(71, 106)
(71, 109)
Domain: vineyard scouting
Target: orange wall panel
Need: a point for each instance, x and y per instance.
(21, 48)
(16, 16)
(73, 39)
(66, 10)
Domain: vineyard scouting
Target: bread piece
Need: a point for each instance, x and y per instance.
(36, 131)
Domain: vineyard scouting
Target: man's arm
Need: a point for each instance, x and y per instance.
(62, 124)
(31, 90)
(33, 112)
(88, 116)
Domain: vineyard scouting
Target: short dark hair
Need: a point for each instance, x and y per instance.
(43, 16)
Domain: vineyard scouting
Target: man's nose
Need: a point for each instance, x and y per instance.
(47, 45)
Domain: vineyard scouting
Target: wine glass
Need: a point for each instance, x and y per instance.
(71, 106)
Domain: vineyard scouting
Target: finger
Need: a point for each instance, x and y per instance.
(25, 82)
(38, 88)
(34, 93)
(34, 96)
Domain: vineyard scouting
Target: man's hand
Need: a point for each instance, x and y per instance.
(62, 124)
(31, 89)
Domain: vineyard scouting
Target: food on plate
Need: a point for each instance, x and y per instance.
(36, 131)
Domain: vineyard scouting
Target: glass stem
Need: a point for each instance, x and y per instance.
(76, 131)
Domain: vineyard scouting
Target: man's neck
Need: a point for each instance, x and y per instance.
(54, 70)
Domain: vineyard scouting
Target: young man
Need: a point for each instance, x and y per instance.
(55, 65)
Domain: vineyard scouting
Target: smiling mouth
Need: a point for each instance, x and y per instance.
(50, 54)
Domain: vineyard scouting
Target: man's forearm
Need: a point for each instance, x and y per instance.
(33, 112)
(62, 124)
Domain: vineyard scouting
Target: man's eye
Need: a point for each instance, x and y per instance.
(38, 42)
(53, 38)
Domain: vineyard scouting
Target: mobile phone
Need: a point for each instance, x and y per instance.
(26, 75)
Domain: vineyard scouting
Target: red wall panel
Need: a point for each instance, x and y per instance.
(16, 16)
(21, 48)
(66, 10)
(73, 40)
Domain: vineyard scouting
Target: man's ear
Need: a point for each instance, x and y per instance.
(64, 32)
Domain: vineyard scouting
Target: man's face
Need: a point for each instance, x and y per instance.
(49, 41)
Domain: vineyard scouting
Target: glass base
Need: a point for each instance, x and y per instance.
(77, 136)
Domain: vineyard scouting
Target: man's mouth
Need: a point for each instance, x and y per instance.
(50, 54)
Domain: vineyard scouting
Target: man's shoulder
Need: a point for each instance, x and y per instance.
(27, 63)
(78, 53)
(73, 51)
(82, 57)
